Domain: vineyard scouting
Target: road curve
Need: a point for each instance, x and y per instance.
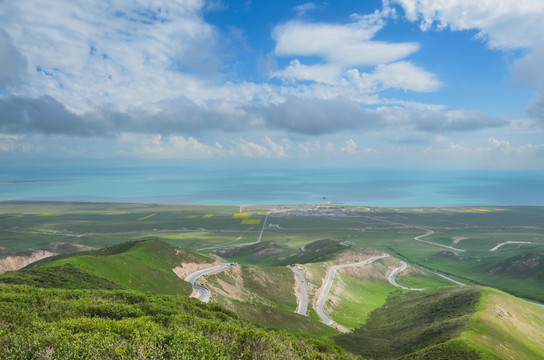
(325, 319)
(204, 292)
(394, 274)
(509, 242)
(430, 232)
(302, 306)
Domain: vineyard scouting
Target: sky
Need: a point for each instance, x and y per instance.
(392, 83)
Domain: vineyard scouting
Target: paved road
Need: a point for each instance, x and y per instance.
(509, 242)
(204, 292)
(302, 306)
(260, 238)
(430, 232)
(449, 279)
(394, 274)
(325, 319)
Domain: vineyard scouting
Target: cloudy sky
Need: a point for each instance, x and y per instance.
(411, 83)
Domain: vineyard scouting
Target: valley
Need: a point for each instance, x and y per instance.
(345, 275)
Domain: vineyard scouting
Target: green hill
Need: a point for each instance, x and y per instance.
(451, 323)
(276, 254)
(144, 266)
(125, 302)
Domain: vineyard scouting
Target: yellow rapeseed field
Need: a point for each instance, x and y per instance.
(241, 215)
(206, 216)
(147, 217)
(251, 221)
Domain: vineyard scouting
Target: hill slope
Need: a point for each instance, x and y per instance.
(451, 323)
(38, 323)
(144, 266)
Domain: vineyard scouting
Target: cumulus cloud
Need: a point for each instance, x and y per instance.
(503, 25)
(401, 75)
(506, 147)
(170, 146)
(343, 50)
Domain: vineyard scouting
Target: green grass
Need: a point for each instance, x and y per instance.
(359, 298)
(277, 254)
(411, 322)
(264, 286)
(144, 266)
(506, 327)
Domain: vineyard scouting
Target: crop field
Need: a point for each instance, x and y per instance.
(457, 244)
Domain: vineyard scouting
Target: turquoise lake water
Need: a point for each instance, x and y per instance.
(191, 185)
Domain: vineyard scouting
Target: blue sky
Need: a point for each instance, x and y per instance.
(398, 83)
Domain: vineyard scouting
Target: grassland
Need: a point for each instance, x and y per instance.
(144, 266)
(361, 299)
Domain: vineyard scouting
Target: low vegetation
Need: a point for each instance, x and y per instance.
(39, 323)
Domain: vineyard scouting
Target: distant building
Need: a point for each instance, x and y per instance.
(273, 226)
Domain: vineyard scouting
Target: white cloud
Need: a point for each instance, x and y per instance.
(345, 48)
(505, 147)
(323, 73)
(252, 149)
(400, 75)
(169, 146)
(302, 9)
(12, 143)
(345, 45)
(123, 52)
(502, 23)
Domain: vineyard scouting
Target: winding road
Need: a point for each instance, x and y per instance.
(325, 319)
(509, 242)
(394, 274)
(204, 292)
(302, 306)
(430, 232)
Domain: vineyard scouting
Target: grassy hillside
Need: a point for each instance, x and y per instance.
(451, 323)
(506, 327)
(39, 323)
(276, 254)
(144, 266)
(412, 322)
